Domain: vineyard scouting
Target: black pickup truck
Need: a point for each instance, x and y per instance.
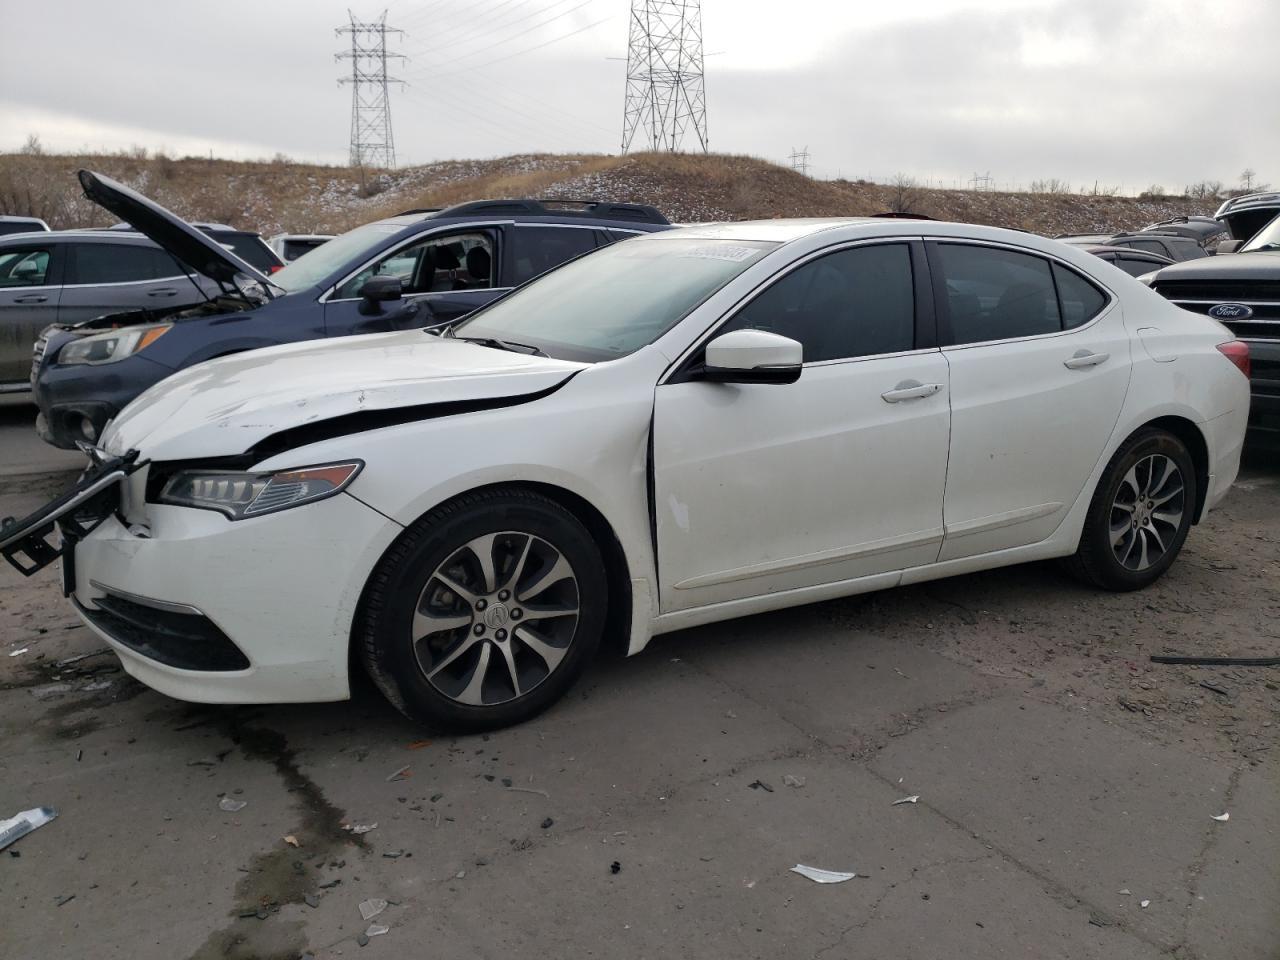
(1241, 290)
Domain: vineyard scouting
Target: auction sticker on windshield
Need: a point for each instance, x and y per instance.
(732, 252)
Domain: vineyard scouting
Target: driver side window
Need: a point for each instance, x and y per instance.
(857, 302)
(438, 264)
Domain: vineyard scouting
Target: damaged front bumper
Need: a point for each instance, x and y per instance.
(27, 543)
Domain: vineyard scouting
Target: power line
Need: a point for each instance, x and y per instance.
(800, 161)
(372, 142)
(666, 96)
(980, 181)
(519, 53)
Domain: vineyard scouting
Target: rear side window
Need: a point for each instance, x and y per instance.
(996, 294)
(119, 263)
(293, 249)
(250, 249)
(23, 267)
(535, 250)
(1081, 301)
(857, 302)
(1151, 246)
(1136, 268)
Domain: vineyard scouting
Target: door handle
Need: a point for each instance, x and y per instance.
(31, 298)
(163, 292)
(1084, 358)
(910, 390)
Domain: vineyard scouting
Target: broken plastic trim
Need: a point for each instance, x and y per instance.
(1219, 661)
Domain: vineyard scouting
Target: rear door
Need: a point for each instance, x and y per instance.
(1039, 366)
(451, 272)
(29, 294)
(109, 277)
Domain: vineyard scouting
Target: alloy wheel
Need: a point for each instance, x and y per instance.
(1147, 512)
(496, 618)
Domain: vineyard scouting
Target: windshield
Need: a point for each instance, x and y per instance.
(1268, 238)
(615, 301)
(350, 248)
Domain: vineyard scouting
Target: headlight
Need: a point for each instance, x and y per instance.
(113, 345)
(238, 494)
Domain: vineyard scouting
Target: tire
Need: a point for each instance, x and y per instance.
(446, 652)
(1121, 524)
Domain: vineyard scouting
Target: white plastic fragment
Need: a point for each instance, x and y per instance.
(818, 875)
(14, 653)
(229, 805)
(371, 908)
(19, 826)
(792, 781)
(362, 827)
(914, 798)
(376, 930)
(1144, 904)
(1125, 892)
(1223, 817)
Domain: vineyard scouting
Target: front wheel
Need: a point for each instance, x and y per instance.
(485, 612)
(1140, 514)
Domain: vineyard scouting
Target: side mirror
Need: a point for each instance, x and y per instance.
(1229, 246)
(381, 289)
(27, 268)
(753, 356)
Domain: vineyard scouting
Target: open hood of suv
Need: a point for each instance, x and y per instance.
(193, 247)
(229, 406)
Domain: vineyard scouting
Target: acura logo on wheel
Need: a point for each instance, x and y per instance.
(497, 616)
(1230, 311)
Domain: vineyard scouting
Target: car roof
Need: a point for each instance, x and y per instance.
(1097, 249)
(785, 231)
(81, 235)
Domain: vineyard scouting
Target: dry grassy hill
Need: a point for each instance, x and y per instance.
(284, 196)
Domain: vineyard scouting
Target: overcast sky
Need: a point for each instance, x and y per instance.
(1124, 93)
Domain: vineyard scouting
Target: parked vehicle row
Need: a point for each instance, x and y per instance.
(689, 426)
(402, 273)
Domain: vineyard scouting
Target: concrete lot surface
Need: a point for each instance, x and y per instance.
(1066, 788)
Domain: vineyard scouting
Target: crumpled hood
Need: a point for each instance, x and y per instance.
(225, 406)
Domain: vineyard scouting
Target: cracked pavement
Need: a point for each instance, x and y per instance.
(1063, 780)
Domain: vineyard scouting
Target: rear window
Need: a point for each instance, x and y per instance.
(1079, 299)
(293, 249)
(535, 250)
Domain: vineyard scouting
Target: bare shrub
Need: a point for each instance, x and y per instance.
(1204, 190)
(32, 147)
(905, 195)
(1052, 185)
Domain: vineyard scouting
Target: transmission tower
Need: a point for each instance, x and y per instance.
(372, 144)
(800, 161)
(665, 94)
(980, 181)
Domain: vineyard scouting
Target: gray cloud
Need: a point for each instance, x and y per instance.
(1082, 90)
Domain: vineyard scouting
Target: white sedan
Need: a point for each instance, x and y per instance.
(681, 428)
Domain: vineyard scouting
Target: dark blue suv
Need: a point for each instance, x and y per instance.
(421, 268)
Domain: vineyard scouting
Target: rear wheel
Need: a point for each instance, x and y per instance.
(1140, 514)
(486, 611)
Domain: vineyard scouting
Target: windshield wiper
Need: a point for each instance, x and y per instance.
(503, 345)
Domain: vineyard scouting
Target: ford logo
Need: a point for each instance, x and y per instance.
(1230, 311)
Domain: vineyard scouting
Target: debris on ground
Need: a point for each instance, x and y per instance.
(547, 823)
(1125, 892)
(230, 805)
(292, 841)
(914, 798)
(1223, 817)
(84, 656)
(1219, 661)
(65, 899)
(818, 875)
(1144, 904)
(376, 930)
(394, 854)
(1223, 691)
(1099, 920)
(17, 653)
(615, 867)
(17, 827)
(418, 745)
(541, 793)
(311, 900)
(362, 940)
(792, 781)
(404, 773)
(371, 908)
(359, 828)
(760, 785)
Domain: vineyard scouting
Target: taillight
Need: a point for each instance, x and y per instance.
(1237, 351)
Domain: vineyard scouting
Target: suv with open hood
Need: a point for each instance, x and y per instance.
(412, 270)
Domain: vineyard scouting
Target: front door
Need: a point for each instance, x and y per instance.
(1039, 361)
(765, 488)
(29, 294)
(444, 277)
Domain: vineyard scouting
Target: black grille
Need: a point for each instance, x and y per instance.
(1226, 291)
(189, 641)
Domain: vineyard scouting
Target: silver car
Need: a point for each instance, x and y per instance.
(69, 276)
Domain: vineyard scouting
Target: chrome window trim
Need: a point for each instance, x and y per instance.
(416, 238)
(705, 337)
(1112, 299)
